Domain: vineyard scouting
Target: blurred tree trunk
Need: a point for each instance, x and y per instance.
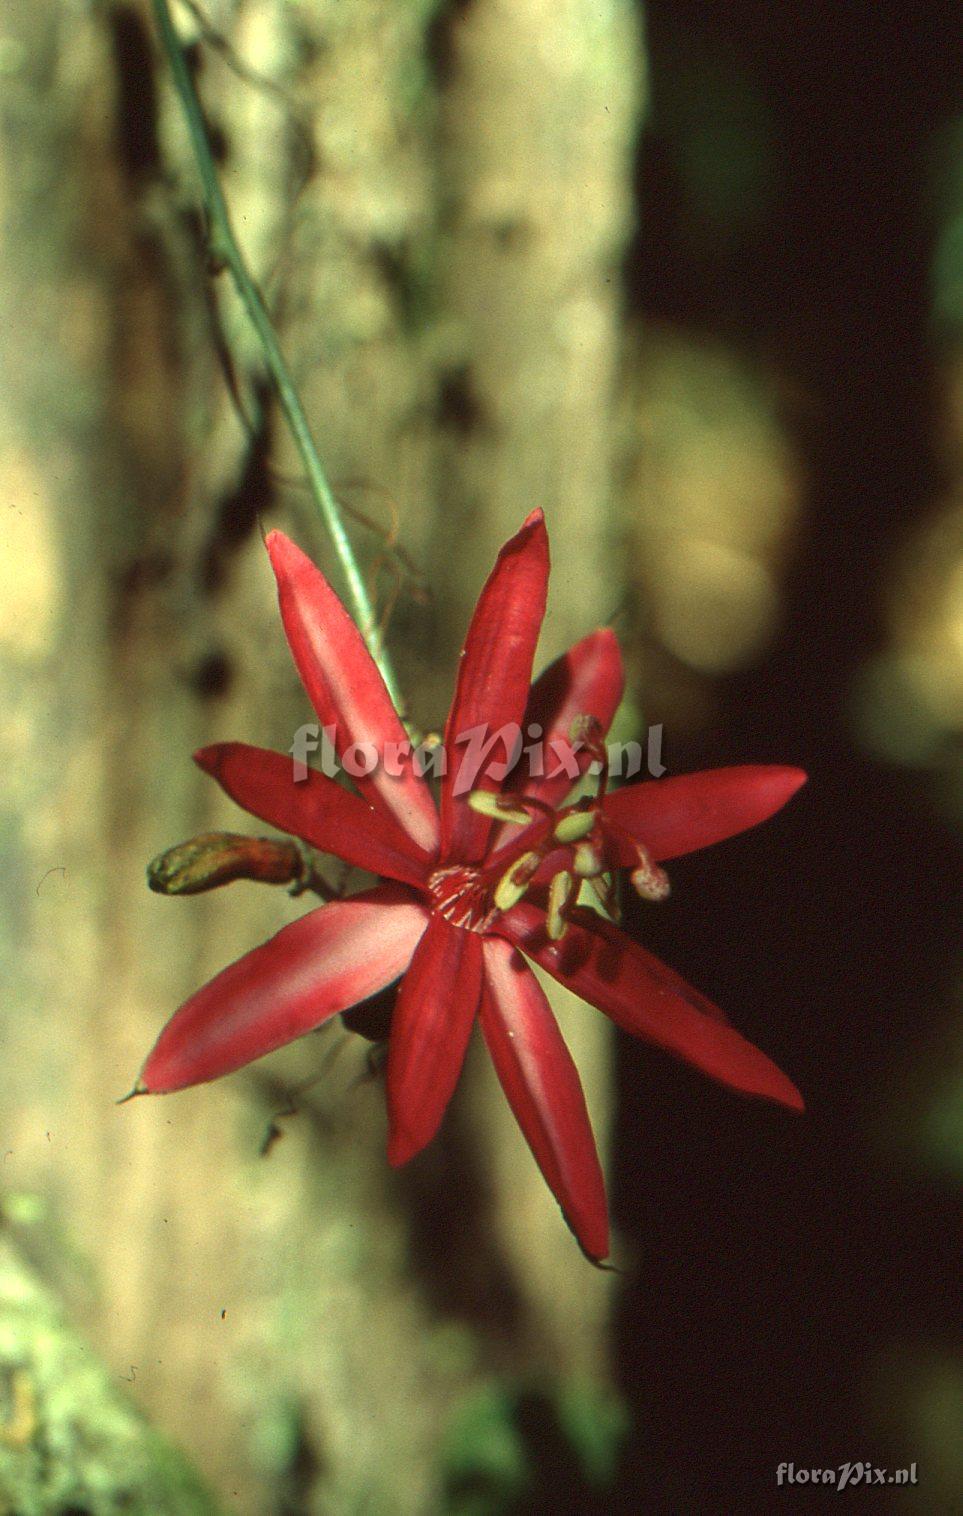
(539, 118)
(436, 248)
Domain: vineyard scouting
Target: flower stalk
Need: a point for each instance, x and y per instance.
(226, 250)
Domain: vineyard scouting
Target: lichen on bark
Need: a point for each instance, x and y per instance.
(70, 1438)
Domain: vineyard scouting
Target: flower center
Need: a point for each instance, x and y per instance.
(463, 896)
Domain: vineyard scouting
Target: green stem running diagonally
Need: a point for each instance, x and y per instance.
(225, 246)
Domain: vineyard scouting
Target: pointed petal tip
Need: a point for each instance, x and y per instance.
(791, 779)
(531, 539)
(285, 555)
(603, 634)
(139, 1088)
(792, 1099)
(772, 1085)
(595, 1249)
(600, 644)
(217, 757)
(532, 536)
(773, 784)
(207, 758)
(400, 1149)
(600, 1262)
(276, 542)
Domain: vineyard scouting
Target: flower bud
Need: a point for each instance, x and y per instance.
(215, 858)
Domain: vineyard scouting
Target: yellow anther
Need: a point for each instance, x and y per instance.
(574, 826)
(487, 804)
(560, 893)
(515, 881)
(587, 860)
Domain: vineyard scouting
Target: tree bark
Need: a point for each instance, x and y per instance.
(539, 116)
(290, 1323)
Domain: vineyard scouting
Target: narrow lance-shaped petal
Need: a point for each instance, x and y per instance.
(542, 1087)
(606, 968)
(314, 808)
(430, 1027)
(321, 964)
(347, 691)
(493, 683)
(679, 815)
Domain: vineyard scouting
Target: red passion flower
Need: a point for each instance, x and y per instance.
(475, 887)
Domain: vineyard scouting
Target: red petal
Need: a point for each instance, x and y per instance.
(430, 1027)
(675, 816)
(493, 681)
(543, 1089)
(586, 681)
(346, 689)
(323, 963)
(611, 972)
(317, 809)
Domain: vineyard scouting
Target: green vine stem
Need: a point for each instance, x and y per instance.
(225, 248)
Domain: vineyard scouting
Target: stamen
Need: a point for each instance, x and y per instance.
(587, 860)
(499, 807)
(560, 894)
(574, 826)
(515, 881)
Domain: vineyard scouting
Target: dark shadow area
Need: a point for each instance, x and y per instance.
(453, 1247)
(136, 104)
(777, 1260)
(240, 508)
(453, 1250)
